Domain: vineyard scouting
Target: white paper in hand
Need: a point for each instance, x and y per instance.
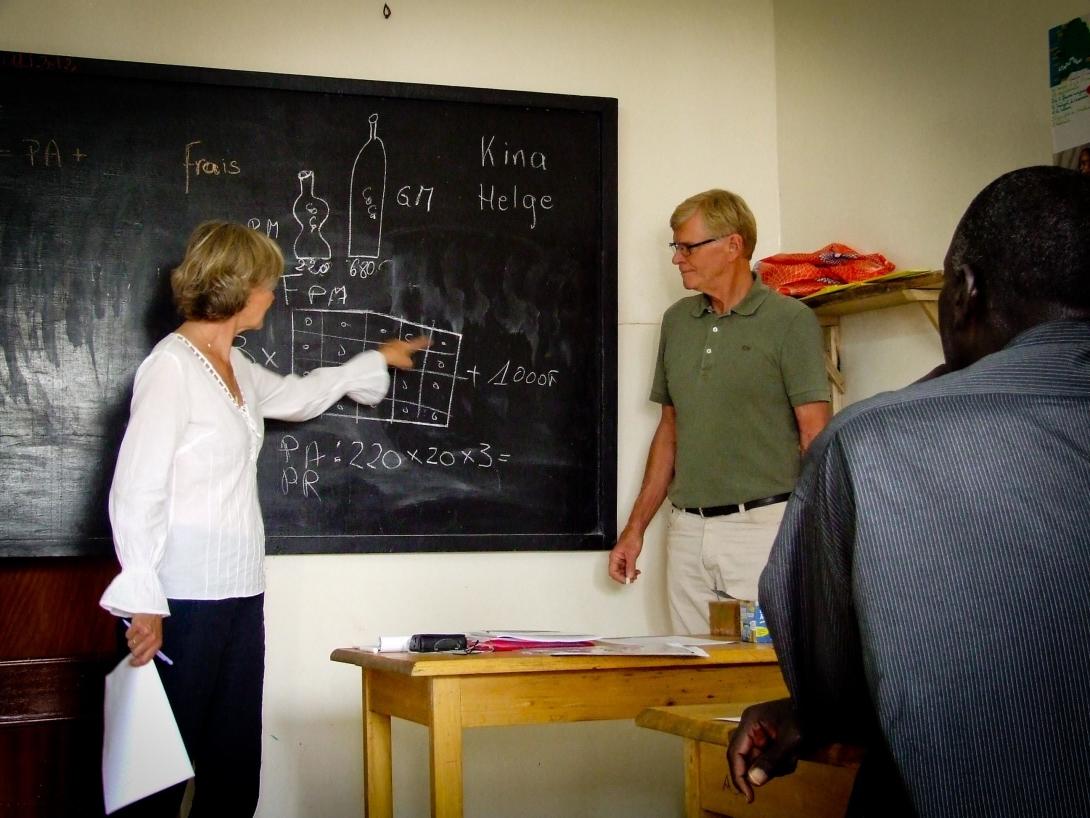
(142, 750)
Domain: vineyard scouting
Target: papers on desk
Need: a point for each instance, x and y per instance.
(628, 646)
(536, 641)
(677, 639)
(636, 646)
(495, 641)
(558, 643)
(674, 645)
(552, 637)
(142, 750)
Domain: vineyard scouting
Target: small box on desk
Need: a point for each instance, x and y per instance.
(754, 627)
(725, 618)
(738, 619)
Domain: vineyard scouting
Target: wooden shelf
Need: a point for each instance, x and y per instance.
(921, 288)
(918, 288)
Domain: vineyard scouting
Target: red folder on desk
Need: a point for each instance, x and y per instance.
(529, 640)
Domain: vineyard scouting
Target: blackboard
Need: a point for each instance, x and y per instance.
(485, 218)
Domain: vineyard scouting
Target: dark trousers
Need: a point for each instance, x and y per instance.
(214, 688)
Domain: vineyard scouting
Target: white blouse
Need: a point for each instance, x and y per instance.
(183, 504)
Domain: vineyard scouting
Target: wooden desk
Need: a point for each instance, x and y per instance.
(819, 787)
(447, 693)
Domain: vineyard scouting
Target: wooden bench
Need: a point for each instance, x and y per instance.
(819, 788)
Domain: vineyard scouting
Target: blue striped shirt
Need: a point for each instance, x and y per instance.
(929, 591)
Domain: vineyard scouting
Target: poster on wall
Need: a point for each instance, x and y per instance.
(1069, 81)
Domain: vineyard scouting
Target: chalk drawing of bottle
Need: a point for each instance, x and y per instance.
(311, 212)
(366, 194)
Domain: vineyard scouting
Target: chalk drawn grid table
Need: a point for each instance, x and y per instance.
(421, 396)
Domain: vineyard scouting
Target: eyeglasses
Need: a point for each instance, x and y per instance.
(686, 249)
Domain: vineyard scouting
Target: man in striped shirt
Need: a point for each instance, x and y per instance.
(929, 591)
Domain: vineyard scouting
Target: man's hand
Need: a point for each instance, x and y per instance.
(622, 559)
(399, 354)
(765, 745)
(144, 637)
(657, 475)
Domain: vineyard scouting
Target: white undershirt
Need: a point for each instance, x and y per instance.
(183, 503)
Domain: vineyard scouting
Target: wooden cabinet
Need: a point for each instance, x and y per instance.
(56, 646)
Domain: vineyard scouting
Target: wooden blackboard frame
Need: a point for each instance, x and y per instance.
(603, 109)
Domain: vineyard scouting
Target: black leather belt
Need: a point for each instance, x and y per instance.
(719, 511)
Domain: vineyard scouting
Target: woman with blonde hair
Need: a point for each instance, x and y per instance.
(184, 506)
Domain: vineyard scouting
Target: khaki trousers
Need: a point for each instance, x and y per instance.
(706, 554)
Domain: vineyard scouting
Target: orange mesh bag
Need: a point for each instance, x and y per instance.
(800, 274)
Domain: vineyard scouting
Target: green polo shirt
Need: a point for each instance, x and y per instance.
(734, 380)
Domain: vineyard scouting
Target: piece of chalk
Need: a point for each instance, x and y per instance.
(628, 580)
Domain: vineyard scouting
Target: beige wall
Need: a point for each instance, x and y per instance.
(892, 116)
(695, 83)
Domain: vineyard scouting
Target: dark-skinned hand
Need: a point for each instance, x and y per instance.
(765, 745)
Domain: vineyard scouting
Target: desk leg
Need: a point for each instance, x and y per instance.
(378, 778)
(446, 747)
(693, 806)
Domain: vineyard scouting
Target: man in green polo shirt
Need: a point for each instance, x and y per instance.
(741, 379)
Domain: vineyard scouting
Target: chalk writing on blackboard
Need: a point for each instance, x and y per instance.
(421, 396)
(504, 199)
(366, 194)
(46, 154)
(304, 461)
(310, 212)
(197, 165)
